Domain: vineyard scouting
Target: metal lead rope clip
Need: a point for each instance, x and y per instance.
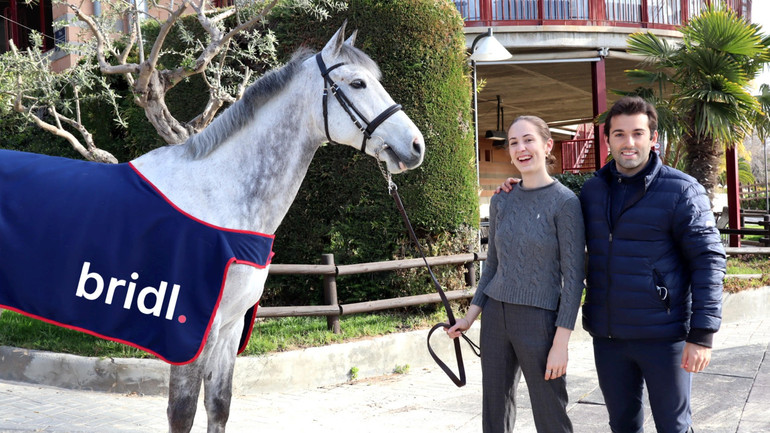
(385, 173)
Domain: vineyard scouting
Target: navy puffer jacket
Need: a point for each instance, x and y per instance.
(658, 272)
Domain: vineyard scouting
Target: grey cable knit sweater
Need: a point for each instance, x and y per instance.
(536, 253)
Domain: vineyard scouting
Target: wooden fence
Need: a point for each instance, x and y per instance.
(758, 217)
(333, 310)
(753, 192)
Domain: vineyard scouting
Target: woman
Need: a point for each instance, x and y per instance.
(531, 288)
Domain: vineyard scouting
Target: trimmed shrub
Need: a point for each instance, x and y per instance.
(573, 181)
(420, 48)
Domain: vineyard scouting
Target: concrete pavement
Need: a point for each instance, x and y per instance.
(732, 395)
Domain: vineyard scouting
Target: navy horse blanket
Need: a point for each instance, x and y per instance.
(98, 248)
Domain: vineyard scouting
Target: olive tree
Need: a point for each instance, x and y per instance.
(224, 50)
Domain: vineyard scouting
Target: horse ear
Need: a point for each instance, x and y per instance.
(332, 48)
(352, 39)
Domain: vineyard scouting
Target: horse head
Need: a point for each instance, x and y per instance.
(359, 112)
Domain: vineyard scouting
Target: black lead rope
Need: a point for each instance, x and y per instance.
(459, 381)
(350, 109)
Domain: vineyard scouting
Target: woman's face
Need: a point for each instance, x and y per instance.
(527, 147)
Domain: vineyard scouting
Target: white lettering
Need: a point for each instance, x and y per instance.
(114, 283)
(172, 302)
(84, 277)
(160, 294)
(142, 300)
(130, 292)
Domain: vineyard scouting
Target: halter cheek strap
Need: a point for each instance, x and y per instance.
(348, 106)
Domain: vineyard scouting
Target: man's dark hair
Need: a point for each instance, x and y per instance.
(632, 105)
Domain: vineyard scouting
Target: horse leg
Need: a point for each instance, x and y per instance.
(218, 377)
(183, 390)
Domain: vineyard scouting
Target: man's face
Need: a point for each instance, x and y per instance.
(630, 142)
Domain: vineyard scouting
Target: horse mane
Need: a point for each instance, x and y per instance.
(241, 112)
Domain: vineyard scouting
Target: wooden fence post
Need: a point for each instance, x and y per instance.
(330, 294)
(470, 274)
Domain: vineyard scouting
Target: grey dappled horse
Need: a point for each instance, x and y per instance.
(244, 170)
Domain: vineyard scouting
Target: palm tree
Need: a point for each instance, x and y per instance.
(762, 118)
(709, 73)
(762, 126)
(745, 175)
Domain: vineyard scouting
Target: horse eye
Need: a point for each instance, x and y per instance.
(358, 84)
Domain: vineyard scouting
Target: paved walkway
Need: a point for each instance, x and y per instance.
(732, 395)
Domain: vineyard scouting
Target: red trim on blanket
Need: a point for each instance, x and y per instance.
(224, 277)
(104, 337)
(139, 173)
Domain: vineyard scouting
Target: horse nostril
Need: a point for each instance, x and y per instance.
(417, 146)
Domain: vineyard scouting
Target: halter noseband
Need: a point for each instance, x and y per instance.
(348, 106)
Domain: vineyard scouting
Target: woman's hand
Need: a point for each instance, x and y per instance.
(464, 324)
(556, 364)
(460, 326)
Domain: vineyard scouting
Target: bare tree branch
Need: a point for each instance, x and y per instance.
(90, 151)
(102, 41)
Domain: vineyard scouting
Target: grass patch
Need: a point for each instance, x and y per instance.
(17, 330)
(289, 333)
(269, 335)
(743, 265)
(748, 264)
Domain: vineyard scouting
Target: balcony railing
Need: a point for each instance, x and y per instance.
(577, 156)
(636, 13)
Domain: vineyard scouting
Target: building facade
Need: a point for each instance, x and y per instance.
(567, 56)
(20, 19)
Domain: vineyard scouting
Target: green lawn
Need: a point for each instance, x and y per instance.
(269, 335)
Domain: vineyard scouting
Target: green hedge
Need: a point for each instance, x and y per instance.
(573, 181)
(420, 48)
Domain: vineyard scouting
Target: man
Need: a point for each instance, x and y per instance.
(654, 277)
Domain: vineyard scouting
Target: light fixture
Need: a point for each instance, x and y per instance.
(498, 136)
(486, 48)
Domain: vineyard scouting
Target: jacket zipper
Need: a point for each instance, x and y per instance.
(609, 284)
(609, 259)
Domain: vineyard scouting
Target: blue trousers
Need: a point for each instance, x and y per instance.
(624, 367)
(516, 339)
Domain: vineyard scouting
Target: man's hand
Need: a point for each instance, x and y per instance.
(507, 186)
(695, 358)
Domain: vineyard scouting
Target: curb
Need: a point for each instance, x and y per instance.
(283, 371)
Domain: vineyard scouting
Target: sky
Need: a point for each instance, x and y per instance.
(760, 14)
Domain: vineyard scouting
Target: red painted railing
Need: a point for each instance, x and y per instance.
(667, 14)
(577, 156)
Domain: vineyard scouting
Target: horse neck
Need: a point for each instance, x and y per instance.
(249, 181)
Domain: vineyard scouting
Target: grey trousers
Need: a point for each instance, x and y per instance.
(516, 339)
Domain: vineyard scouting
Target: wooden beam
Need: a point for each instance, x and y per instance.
(599, 94)
(733, 196)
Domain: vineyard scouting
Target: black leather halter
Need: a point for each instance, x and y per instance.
(348, 106)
